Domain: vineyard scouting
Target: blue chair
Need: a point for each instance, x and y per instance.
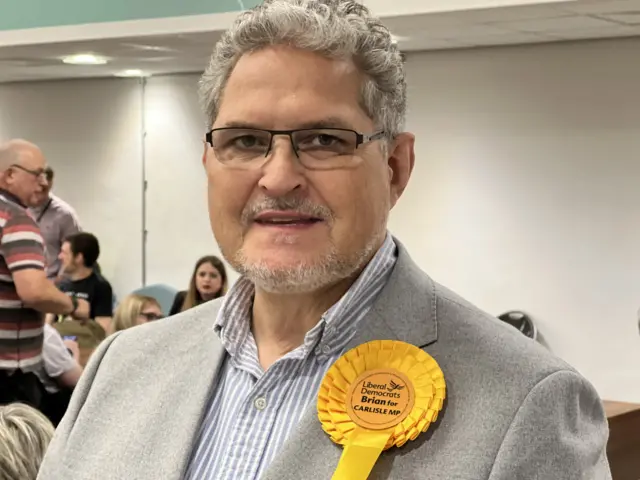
(164, 295)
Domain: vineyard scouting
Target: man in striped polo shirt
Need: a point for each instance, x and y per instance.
(25, 292)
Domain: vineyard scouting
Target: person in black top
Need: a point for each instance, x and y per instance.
(208, 281)
(78, 256)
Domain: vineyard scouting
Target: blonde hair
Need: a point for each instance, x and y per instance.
(129, 309)
(25, 434)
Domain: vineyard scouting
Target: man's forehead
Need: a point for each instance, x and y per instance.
(277, 55)
(290, 71)
(31, 157)
(316, 91)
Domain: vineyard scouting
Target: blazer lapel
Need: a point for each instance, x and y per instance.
(199, 358)
(405, 310)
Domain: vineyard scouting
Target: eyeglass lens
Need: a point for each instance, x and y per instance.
(315, 147)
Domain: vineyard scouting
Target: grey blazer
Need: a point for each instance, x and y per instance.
(513, 410)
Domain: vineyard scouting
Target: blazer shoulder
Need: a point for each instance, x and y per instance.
(177, 329)
(484, 336)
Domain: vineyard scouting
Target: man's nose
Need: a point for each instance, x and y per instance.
(282, 172)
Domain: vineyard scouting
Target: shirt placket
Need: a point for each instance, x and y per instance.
(259, 415)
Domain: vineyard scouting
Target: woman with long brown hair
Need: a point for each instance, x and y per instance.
(208, 281)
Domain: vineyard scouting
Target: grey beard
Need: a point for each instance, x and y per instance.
(305, 278)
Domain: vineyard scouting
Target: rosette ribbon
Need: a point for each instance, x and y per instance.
(378, 395)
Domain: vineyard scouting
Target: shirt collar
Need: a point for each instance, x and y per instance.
(11, 197)
(44, 205)
(337, 325)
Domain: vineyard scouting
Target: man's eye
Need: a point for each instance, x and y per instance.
(248, 141)
(321, 140)
(325, 140)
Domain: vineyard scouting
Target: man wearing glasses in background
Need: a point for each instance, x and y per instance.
(57, 220)
(25, 291)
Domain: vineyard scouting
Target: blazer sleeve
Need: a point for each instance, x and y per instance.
(52, 467)
(560, 431)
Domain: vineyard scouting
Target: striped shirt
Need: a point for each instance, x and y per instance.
(252, 412)
(21, 247)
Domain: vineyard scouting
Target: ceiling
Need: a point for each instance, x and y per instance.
(189, 52)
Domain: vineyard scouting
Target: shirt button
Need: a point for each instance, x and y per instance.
(260, 403)
(318, 351)
(326, 349)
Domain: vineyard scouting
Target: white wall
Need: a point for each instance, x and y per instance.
(525, 192)
(90, 133)
(177, 215)
(524, 196)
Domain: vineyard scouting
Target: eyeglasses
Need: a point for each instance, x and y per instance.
(151, 316)
(317, 149)
(40, 173)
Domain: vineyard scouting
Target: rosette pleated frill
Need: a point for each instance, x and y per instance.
(422, 400)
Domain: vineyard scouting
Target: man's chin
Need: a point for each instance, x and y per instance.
(295, 275)
(289, 281)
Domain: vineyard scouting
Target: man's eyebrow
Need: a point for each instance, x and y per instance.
(328, 122)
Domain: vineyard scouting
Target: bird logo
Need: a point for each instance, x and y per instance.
(394, 386)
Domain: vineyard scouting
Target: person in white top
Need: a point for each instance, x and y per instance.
(59, 373)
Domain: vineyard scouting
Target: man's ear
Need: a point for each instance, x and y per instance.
(8, 174)
(205, 146)
(401, 158)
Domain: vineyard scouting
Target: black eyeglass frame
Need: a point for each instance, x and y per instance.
(40, 173)
(151, 317)
(361, 138)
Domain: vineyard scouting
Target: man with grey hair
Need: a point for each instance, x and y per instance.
(305, 155)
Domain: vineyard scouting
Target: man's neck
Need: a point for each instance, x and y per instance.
(281, 321)
(11, 196)
(43, 204)
(81, 274)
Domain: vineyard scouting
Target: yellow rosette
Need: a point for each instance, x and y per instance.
(377, 395)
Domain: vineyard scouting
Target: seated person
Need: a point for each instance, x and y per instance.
(208, 281)
(25, 434)
(78, 257)
(59, 373)
(136, 310)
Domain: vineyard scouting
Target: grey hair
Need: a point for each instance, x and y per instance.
(341, 29)
(25, 434)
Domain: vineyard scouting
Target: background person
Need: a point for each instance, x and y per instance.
(59, 373)
(57, 220)
(26, 293)
(136, 310)
(208, 281)
(78, 255)
(25, 434)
